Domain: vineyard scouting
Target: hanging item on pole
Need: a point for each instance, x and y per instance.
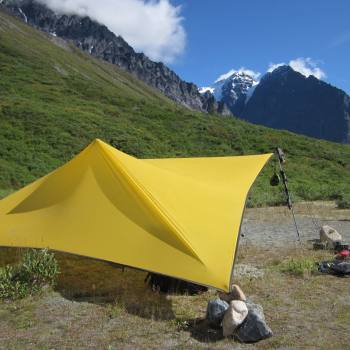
(281, 160)
(275, 179)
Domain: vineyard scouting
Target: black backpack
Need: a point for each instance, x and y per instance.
(167, 284)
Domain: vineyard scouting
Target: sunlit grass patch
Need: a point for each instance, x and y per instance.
(300, 266)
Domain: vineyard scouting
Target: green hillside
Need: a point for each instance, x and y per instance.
(54, 100)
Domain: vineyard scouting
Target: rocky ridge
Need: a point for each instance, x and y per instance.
(97, 40)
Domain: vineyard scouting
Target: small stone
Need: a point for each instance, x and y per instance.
(215, 312)
(235, 294)
(234, 316)
(329, 235)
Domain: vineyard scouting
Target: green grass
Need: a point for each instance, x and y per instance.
(55, 99)
(299, 266)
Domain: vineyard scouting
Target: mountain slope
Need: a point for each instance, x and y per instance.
(286, 99)
(99, 41)
(55, 99)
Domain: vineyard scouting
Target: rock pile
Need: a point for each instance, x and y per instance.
(238, 316)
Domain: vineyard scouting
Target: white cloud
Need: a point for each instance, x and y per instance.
(305, 66)
(254, 75)
(273, 66)
(150, 26)
(204, 89)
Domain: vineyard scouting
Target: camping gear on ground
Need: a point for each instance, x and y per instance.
(325, 266)
(167, 284)
(343, 254)
(176, 217)
(337, 267)
(339, 246)
(341, 268)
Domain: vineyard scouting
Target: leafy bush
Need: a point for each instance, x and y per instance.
(300, 266)
(10, 286)
(37, 269)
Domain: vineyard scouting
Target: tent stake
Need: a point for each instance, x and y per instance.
(281, 160)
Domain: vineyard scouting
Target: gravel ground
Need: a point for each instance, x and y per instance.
(275, 226)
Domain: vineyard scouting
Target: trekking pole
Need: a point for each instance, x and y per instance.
(281, 160)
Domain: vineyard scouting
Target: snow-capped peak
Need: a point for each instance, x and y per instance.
(242, 71)
(232, 85)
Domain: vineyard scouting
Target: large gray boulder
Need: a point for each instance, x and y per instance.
(254, 328)
(330, 236)
(216, 311)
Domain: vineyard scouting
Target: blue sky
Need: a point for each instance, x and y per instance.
(229, 34)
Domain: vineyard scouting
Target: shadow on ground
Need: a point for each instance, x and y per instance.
(103, 283)
(202, 332)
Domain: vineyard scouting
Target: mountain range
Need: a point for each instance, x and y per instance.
(282, 99)
(286, 99)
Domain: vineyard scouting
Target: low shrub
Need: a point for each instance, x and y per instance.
(37, 269)
(343, 202)
(299, 266)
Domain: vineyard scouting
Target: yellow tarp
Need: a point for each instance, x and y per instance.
(178, 217)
